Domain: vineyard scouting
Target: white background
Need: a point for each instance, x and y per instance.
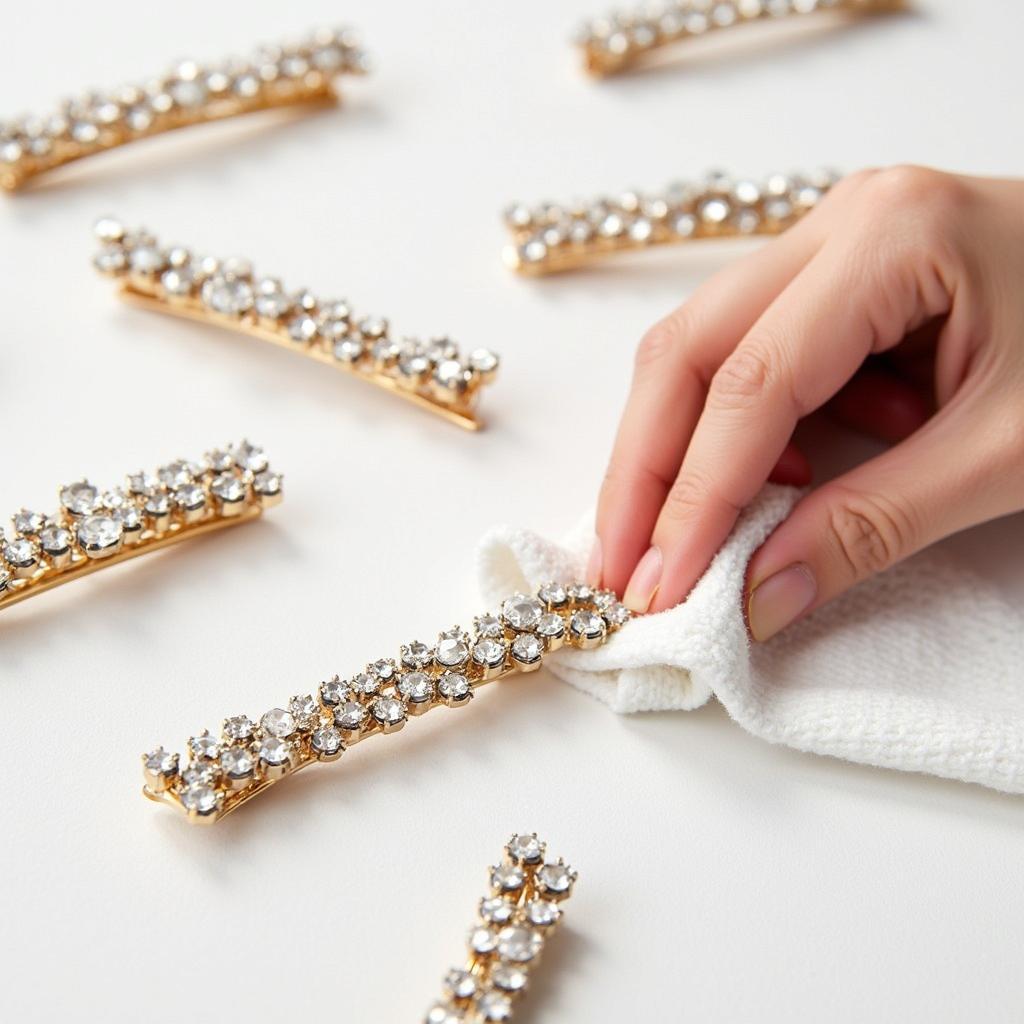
(721, 879)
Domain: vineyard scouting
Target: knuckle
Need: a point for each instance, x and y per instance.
(686, 499)
(667, 339)
(742, 379)
(910, 189)
(870, 533)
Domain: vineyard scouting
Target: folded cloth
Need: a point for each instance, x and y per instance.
(920, 668)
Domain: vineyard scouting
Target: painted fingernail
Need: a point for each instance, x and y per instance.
(643, 584)
(594, 565)
(780, 599)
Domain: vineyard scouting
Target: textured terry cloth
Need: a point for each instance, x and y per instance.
(920, 668)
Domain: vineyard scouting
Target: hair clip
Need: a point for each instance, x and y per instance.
(432, 374)
(94, 528)
(552, 238)
(275, 76)
(614, 43)
(513, 925)
(223, 772)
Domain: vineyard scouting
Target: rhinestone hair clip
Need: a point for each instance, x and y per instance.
(223, 772)
(614, 43)
(95, 528)
(505, 944)
(551, 237)
(432, 374)
(275, 76)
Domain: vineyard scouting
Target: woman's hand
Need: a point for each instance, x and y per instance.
(900, 303)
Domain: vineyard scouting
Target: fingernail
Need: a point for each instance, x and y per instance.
(643, 584)
(775, 603)
(594, 565)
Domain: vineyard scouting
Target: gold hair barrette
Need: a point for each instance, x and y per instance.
(223, 772)
(433, 374)
(275, 76)
(94, 528)
(616, 42)
(512, 928)
(552, 237)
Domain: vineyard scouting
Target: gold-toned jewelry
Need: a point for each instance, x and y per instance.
(433, 374)
(95, 528)
(505, 943)
(614, 43)
(552, 237)
(275, 76)
(224, 771)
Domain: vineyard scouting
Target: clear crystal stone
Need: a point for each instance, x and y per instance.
(141, 483)
(553, 594)
(178, 473)
(228, 487)
(275, 751)
(388, 710)
(527, 649)
(349, 350)
(366, 683)
(249, 456)
(641, 230)
(80, 498)
(452, 649)
(201, 773)
(108, 229)
(451, 375)
(384, 669)
(521, 611)
(416, 655)
(200, 799)
(580, 592)
(271, 299)
(483, 360)
(453, 686)
(55, 540)
(267, 483)
(587, 625)
(350, 715)
(240, 727)
(416, 687)
(489, 653)
(441, 1014)
(28, 522)
(204, 746)
(99, 533)
(21, 552)
(488, 626)
(146, 259)
(526, 847)
(302, 329)
(555, 878)
(158, 504)
(460, 984)
(551, 625)
(326, 740)
(497, 910)
(334, 691)
(305, 710)
(177, 280)
(508, 978)
(483, 940)
(162, 762)
(237, 762)
(542, 913)
(507, 877)
(109, 259)
(229, 297)
(494, 1006)
(190, 497)
(278, 722)
(617, 614)
(520, 945)
(684, 225)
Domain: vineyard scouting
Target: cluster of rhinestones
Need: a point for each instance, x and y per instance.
(229, 292)
(506, 942)
(553, 237)
(221, 771)
(189, 94)
(613, 42)
(149, 509)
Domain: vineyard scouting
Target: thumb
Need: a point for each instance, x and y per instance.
(947, 476)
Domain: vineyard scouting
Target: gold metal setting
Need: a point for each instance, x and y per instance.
(94, 528)
(222, 772)
(514, 923)
(621, 40)
(433, 374)
(275, 76)
(553, 237)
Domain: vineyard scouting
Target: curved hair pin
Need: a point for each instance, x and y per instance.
(191, 93)
(94, 528)
(221, 772)
(621, 40)
(553, 237)
(433, 374)
(514, 923)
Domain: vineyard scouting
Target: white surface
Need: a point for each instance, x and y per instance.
(721, 879)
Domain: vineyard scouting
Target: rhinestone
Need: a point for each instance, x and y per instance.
(385, 351)
(302, 329)
(237, 762)
(161, 762)
(108, 229)
(178, 473)
(247, 86)
(229, 297)
(267, 483)
(178, 280)
(521, 611)
(28, 522)
(641, 230)
(240, 727)
(508, 978)
(494, 1006)
(326, 740)
(200, 799)
(526, 848)
(535, 251)
(586, 625)
(141, 483)
(489, 653)
(723, 14)
(519, 944)
(158, 505)
(388, 710)
(80, 498)
(684, 225)
(778, 209)
(746, 193)
(278, 722)
(497, 910)
(271, 301)
(460, 984)
(199, 774)
(100, 534)
(527, 649)
(188, 93)
(305, 710)
(580, 592)
(507, 877)
(451, 375)
(384, 669)
(518, 216)
(334, 691)
(483, 360)
(551, 625)
(55, 540)
(275, 751)
(440, 349)
(617, 614)
(21, 552)
(204, 746)
(350, 715)
(249, 456)
(483, 940)
(190, 497)
(373, 327)
(348, 350)
(441, 1014)
(453, 686)
(488, 626)
(542, 913)
(747, 221)
(416, 687)
(416, 655)
(366, 684)
(228, 487)
(612, 226)
(109, 259)
(146, 259)
(452, 649)
(714, 211)
(553, 594)
(556, 878)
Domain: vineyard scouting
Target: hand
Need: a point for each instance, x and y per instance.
(899, 302)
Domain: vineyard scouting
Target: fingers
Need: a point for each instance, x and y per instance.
(673, 364)
(953, 473)
(880, 404)
(845, 304)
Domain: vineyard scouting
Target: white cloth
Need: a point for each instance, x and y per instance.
(920, 668)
